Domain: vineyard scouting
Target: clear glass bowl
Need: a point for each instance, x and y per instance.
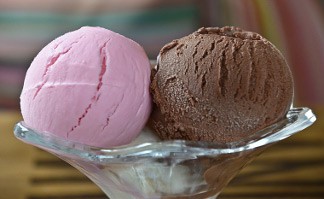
(166, 169)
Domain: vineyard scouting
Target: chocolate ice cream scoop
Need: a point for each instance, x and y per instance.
(220, 85)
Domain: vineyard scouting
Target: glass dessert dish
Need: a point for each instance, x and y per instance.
(166, 169)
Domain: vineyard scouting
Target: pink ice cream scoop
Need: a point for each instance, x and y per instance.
(90, 86)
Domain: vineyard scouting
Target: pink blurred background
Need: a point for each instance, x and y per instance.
(296, 27)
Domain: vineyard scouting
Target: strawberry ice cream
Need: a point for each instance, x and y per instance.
(90, 86)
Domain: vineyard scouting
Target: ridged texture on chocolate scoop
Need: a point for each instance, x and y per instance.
(219, 84)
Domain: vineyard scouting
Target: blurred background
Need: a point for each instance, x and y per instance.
(296, 27)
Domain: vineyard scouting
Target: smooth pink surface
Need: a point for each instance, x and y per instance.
(90, 86)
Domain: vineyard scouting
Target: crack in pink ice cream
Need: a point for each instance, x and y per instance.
(95, 98)
(113, 112)
(51, 62)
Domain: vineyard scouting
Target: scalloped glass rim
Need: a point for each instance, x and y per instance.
(296, 120)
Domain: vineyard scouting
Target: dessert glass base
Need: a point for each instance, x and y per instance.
(166, 169)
